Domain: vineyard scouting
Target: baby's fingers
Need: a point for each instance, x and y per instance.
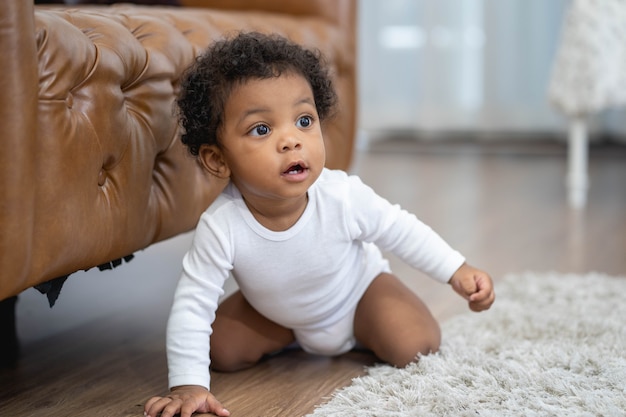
(149, 404)
(482, 299)
(217, 408)
(154, 406)
(168, 407)
(203, 403)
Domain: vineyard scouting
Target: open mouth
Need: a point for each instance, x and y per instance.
(294, 169)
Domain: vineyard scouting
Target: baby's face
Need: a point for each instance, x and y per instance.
(271, 137)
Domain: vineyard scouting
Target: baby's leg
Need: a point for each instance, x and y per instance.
(241, 335)
(394, 323)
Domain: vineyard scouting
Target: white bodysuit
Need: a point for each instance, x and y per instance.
(307, 278)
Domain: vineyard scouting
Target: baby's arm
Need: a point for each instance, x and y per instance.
(185, 400)
(475, 286)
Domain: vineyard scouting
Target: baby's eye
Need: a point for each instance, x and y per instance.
(305, 121)
(260, 130)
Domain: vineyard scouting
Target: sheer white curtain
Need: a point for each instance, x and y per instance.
(442, 65)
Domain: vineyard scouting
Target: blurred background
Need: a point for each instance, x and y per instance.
(474, 67)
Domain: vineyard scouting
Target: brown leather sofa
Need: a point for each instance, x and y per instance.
(91, 166)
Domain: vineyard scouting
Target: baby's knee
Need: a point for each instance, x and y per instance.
(431, 340)
(228, 359)
(414, 346)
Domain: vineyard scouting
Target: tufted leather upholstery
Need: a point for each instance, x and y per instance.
(91, 166)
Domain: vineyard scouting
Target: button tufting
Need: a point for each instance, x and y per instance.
(69, 100)
(102, 177)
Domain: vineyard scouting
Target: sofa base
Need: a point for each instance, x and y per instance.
(9, 354)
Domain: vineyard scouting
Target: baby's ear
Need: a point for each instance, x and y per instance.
(212, 160)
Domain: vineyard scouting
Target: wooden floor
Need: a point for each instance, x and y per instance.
(502, 205)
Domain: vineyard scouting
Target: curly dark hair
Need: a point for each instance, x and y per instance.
(207, 83)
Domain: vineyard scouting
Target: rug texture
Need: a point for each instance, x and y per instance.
(551, 345)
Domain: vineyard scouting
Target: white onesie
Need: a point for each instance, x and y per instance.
(307, 278)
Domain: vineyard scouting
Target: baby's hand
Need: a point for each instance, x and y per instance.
(185, 400)
(475, 286)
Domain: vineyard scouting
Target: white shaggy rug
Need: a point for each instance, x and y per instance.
(551, 345)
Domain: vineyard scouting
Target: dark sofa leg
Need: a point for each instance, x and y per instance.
(8, 334)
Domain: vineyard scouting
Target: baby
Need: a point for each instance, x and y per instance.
(302, 242)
